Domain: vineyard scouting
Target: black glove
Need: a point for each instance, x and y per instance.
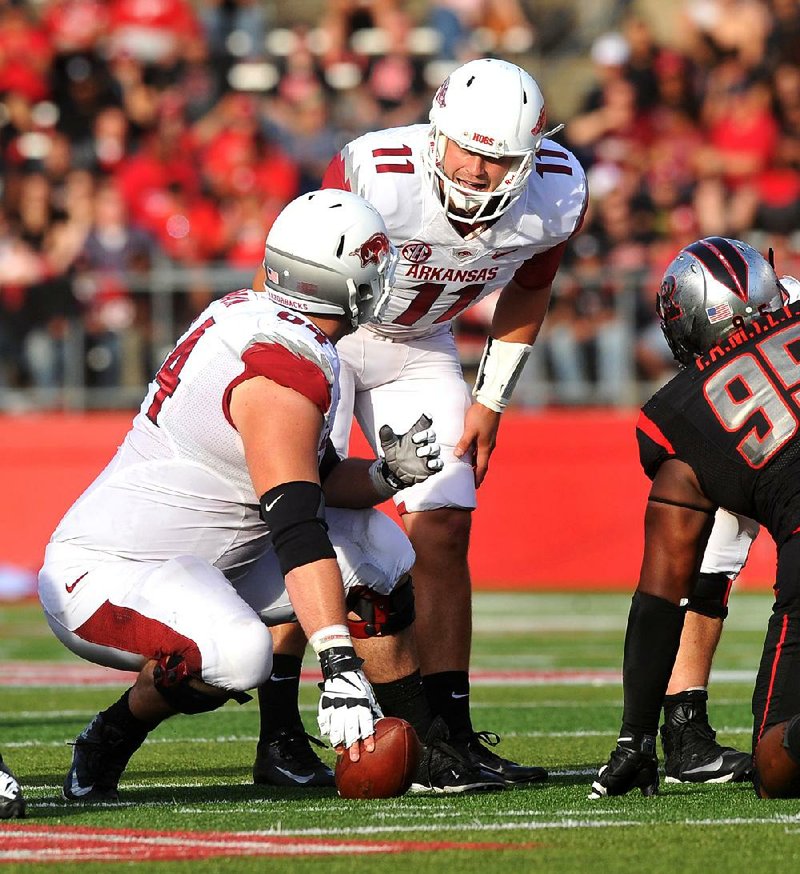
(632, 764)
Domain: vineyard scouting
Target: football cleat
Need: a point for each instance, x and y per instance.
(691, 752)
(633, 764)
(511, 773)
(287, 759)
(99, 756)
(444, 770)
(12, 804)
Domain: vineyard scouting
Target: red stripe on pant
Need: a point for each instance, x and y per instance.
(129, 631)
(773, 673)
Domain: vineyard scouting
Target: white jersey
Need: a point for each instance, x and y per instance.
(179, 483)
(440, 273)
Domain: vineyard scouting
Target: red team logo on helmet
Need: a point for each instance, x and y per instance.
(540, 123)
(373, 250)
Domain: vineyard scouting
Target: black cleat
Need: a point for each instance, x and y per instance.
(288, 760)
(12, 804)
(633, 764)
(100, 754)
(444, 770)
(511, 773)
(691, 752)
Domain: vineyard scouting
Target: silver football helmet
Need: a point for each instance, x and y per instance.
(706, 286)
(493, 108)
(328, 253)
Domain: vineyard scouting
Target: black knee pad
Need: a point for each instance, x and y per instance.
(381, 615)
(710, 596)
(173, 682)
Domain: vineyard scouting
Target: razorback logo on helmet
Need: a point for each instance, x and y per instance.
(441, 93)
(540, 123)
(371, 251)
(416, 251)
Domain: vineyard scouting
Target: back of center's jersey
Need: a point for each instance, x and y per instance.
(179, 483)
(440, 273)
(734, 417)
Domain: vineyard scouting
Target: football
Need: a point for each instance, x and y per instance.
(388, 770)
(778, 774)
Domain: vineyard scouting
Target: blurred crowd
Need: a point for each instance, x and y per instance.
(685, 139)
(136, 134)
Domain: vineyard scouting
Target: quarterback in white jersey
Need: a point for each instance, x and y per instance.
(478, 200)
(210, 520)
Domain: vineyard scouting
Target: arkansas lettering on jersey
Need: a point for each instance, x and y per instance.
(183, 460)
(440, 273)
(734, 418)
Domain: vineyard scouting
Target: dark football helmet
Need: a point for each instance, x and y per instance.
(706, 286)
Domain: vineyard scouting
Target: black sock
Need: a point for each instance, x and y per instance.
(448, 697)
(406, 699)
(277, 698)
(651, 643)
(119, 714)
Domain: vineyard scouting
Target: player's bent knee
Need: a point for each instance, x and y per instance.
(186, 693)
(710, 596)
(376, 615)
(248, 662)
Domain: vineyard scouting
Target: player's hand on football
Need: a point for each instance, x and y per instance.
(347, 712)
(631, 765)
(412, 457)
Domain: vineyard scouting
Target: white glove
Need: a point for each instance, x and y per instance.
(347, 708)
(408, 458)
(792, 287)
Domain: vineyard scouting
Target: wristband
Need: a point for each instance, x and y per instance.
(498, 372)
(330, 636)
(383, 480)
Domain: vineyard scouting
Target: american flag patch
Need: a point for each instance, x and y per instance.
(719, 312)
(272, 275)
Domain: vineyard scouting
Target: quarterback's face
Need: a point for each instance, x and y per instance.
(472, 170)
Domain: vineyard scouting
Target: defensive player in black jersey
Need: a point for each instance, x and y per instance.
(725, 432)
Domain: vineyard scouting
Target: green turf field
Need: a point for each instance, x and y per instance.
(192, 775)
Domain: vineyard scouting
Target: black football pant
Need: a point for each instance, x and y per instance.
(776, 696)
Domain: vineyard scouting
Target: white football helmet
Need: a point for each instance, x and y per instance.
(706, 286)
(328, 253)
(494, 108)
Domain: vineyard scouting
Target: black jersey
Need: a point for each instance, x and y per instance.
(734, 418)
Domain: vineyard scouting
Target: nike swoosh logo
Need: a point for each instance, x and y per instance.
(271, 504)
(502, 253)
(71, 589)
(461, 695)
(716, 765)
(274, 679)
(298, 778)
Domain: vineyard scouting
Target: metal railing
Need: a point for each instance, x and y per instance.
(162, 300)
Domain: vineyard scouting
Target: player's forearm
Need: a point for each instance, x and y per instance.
(519, 313)
(349, 485)
(317, 595)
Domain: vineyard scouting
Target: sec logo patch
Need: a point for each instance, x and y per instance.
(415, 251)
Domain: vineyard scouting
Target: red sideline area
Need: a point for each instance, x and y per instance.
(561, 508)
